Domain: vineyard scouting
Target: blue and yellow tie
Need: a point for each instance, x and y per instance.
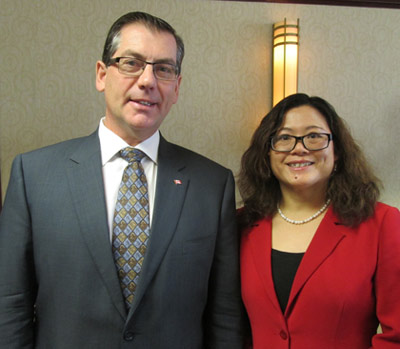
(131, 225)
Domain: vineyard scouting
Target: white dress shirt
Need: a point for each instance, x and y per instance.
(113, 167)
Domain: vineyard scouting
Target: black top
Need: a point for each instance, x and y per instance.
(284, 268)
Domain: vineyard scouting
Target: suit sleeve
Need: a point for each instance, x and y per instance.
(17, 274)
(387, 282)
(224, 312)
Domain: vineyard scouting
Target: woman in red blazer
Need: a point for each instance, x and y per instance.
(320, 257)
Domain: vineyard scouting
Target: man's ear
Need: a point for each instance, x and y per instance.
(101, 74)
(178, 84)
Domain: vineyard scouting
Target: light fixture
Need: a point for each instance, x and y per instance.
(285, 59)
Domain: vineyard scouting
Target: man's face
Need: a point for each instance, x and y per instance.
(136, 106)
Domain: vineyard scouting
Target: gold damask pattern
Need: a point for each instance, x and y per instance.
(348, 55)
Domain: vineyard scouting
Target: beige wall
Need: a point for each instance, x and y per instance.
(350, 56)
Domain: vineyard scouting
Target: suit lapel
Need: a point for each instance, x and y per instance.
(171, 190)
(84, 174)
(325, 240)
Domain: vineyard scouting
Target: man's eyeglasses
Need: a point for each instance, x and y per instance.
(132, 66)
(313, 141)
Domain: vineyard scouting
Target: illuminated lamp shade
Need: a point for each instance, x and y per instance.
(285, 59)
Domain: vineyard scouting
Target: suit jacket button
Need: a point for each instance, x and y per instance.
(128, 336)
(283, 335)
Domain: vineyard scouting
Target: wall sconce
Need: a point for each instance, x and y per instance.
(285, 59)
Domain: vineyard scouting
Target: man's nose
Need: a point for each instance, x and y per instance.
(147, 78)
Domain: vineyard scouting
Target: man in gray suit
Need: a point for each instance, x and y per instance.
(63, 278)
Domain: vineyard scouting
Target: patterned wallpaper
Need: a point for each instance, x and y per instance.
(347, 55)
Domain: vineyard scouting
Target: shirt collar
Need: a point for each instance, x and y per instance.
(111, 144)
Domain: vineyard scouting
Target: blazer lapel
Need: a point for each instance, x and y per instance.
(84, 173)
(325, 240)
(261, 245)
(171, 190)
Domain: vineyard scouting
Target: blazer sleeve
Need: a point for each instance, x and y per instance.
(224, 312)
(17, 275)
(387, 282)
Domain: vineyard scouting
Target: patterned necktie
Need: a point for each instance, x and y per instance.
(131, 223)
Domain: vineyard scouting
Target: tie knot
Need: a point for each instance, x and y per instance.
(131, 154)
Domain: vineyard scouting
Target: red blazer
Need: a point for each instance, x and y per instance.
(347, 283)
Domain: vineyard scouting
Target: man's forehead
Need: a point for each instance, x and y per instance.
(136, 37)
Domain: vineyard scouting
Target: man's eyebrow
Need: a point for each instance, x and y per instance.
(130, 53)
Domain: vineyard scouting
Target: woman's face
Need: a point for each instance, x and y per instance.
(302, 169)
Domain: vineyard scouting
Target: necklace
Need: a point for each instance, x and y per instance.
(315, 215)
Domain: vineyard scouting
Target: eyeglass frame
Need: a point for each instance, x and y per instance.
(116, 60)
(301, 138)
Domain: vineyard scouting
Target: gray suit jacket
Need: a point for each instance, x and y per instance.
(58, 283)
